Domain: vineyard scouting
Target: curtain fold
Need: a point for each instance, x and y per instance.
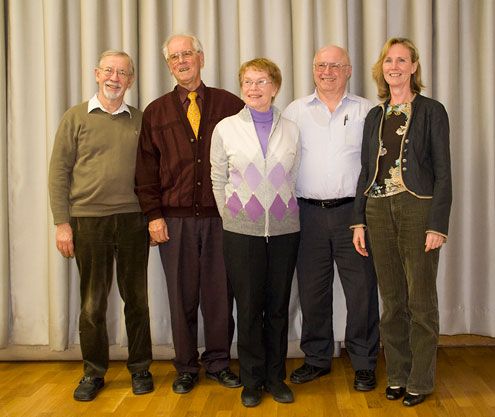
(52, 47)
(4, 226)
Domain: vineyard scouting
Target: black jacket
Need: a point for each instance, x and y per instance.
(424, 155)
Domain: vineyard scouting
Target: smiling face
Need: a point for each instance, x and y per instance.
(257, 89)
(332, 77)
(398, 67)
(114, 76)
(184, 65)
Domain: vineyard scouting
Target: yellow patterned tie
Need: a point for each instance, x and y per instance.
(193, 113)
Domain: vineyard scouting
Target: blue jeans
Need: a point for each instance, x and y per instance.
(97, 242)
(407, 283)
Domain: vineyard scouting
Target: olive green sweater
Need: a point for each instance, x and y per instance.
(93, 163)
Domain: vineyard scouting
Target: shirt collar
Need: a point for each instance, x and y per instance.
(94, 103)
(183, 92)
(314, 99)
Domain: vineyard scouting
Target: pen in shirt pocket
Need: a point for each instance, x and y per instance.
(346, 118)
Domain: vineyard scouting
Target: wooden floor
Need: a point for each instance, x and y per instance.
(465, 387)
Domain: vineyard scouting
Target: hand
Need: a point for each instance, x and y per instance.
(158, 231)
(63, 237)
(359, 241)
(433, 241)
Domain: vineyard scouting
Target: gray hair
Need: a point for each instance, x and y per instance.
(112, 52)
(196, 44)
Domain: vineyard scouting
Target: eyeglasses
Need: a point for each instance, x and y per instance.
(109, 71)
(334, 66)
(259, 83)
(174, 58)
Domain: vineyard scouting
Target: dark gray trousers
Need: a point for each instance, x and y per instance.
(325, 239)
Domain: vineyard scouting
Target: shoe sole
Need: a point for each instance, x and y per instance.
(147, 391)
(182, 391)
(364, 389)
(299, 381)
(214, 378)
(91, 398)
(251, 405)
(177, 391)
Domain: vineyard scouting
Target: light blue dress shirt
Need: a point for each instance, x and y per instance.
(331, 145)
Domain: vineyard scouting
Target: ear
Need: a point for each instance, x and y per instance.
(131, 81)
(415, 67)
(202, 59)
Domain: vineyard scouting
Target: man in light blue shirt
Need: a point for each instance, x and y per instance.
(331, 124)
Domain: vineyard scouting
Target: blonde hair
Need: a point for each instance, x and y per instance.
(377, 70)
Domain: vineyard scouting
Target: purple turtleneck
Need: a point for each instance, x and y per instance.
(263, 124)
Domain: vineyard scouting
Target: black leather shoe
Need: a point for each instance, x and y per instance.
(364, 380)
(225, 377)
(88, 388)
(281, 392)
(185, 382)
(394, 393)
(410, 400)
(142, 382)
(307, 373)
(251, 397)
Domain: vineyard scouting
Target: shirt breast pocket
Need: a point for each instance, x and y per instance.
(354, 133)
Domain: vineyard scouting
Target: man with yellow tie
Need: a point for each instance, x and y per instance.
(174, 189)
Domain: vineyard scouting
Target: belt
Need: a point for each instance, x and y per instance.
(328, 203)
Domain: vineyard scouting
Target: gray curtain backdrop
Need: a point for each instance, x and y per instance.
(51, 48)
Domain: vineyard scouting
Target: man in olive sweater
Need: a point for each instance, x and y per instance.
(174, 189)
(98, 219)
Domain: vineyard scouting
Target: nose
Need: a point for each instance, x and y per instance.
(115, 75)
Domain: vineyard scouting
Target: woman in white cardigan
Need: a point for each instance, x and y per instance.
(254, 157)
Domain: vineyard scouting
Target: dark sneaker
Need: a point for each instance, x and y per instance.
(185, 382)
(142, 382)
(251, 397)
(307, 373)
(364, 380)
(225, 377)
(281, 392)
(88, 388)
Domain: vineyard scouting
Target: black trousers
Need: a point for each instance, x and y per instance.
(195, 272)
(261, 271)
(97, 242)
(325, 239)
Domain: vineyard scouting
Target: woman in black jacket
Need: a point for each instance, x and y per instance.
(403, 200)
